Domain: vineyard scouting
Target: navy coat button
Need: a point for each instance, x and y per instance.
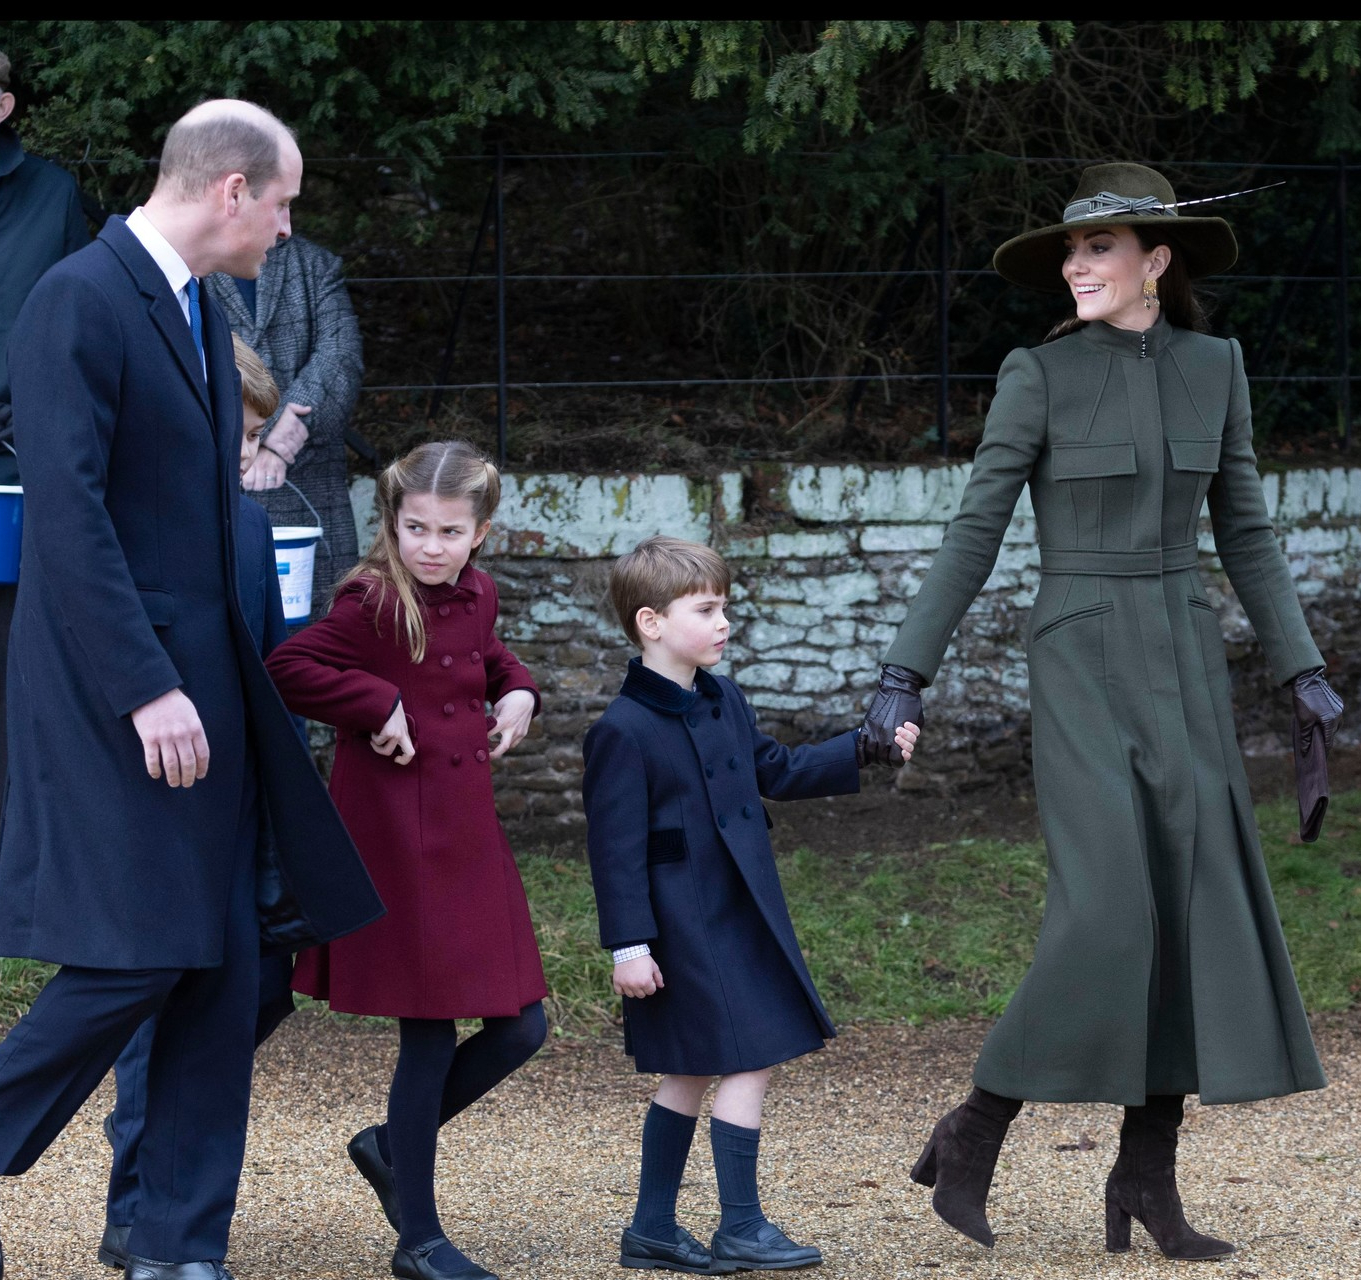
(708, 771)
(446, 661)
(457, 758)
(475, 656)
(481, 756)
(449, 708)
(692, 721)
(732, 762)
(470, 607)
(722, 821)
(717, 713)
(746, 811)
(444, 611)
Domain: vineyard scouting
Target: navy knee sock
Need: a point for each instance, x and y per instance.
(735, 1150)
(666, 1144)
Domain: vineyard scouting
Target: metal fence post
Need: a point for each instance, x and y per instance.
(1344, 338)
(943, 315)
(501, 440)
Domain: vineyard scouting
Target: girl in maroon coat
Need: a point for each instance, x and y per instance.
(404, 666)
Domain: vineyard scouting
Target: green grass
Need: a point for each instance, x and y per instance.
(947, 933)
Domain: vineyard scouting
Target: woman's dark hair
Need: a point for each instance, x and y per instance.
(1179, 300)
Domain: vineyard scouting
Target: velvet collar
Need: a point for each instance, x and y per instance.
(657, 693)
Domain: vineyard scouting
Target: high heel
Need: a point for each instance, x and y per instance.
(959, 1159)
(1143, 1185)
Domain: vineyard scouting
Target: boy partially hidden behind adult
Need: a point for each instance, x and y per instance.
(690, 902)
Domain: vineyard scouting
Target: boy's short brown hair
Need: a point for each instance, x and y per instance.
(659, 570)
(259, 391)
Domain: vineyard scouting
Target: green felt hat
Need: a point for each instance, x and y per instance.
(1127, 195)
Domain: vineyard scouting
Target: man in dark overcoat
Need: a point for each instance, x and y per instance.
(125, 858)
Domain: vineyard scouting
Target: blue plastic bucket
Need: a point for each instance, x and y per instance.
(11, 530)
(295, 552)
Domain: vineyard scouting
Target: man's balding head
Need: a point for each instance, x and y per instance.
(221, 137)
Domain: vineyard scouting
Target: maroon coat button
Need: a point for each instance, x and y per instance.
(474, 704)
(475, 656)
(446, 661)
(470, 607)
(444, 611)
(457, 758)
(481, 756)
(449, 708)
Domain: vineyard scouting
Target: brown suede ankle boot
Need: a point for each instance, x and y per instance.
(960, 1158)
(1143, 1184)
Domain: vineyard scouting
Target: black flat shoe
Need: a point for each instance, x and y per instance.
(415, 1264)
(113, 1246)
(146, 1269)
(684, 1253)
(772, 1250)
(368, 1159)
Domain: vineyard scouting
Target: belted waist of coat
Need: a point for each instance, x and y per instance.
(1119, 564)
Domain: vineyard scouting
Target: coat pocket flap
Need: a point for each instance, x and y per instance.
(1093, 461)
(666, 846)
(159, 606)
(1194, 455)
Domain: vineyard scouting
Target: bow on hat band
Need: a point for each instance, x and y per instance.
(1106, 204)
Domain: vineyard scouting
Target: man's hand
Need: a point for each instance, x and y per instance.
(268, 471)
(289, 432)
(172, 739)
(513, 714)
(638, 978)
(394, 737)
(896, 703)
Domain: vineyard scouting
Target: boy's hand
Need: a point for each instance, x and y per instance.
(638, 977)
(513, 715)
(394, 737)
(905, 738)
(897, 701)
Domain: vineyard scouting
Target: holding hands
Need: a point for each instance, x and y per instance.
(637, 978)
(893, 721)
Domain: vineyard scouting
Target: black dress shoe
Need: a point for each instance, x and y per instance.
(146, 1269)
(684, 1253)
(771, 1250)
(113, 1246)
(368, 1159)
(415, 1264)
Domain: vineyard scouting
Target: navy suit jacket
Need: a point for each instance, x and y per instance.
(128, 589)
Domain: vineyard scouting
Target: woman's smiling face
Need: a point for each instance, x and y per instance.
(1106, 268)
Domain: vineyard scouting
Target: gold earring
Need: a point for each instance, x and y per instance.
(1151, 298)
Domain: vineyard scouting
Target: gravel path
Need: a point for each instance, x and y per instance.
(538, 1180)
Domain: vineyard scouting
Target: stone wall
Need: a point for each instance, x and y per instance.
(825, 559)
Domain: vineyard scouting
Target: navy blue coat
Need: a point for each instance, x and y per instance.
(128, 589)
(681, 860)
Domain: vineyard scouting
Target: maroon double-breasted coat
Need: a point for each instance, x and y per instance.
(457, 941)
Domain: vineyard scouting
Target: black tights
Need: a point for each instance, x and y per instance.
(436, 1078)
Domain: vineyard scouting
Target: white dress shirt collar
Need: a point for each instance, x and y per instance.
(172, 266)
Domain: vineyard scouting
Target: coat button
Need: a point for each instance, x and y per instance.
(481, 756)
(444, 611)
(722, 821)
(708, 771)
(456, 758)
(446, 661)
(732, 762)
(470, 607)
(717, 713)
(746, 811)
(474, 704)
(449, 708)
(475, 656)
(692, 721)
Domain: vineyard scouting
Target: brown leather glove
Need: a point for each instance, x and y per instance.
(1317, 711)
(897, 701)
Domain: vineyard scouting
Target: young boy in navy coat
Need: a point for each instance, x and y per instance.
(690, 903)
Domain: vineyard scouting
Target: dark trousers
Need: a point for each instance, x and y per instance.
(197, 1079)
(133, 1069)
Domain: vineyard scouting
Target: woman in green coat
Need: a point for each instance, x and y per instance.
(1160, 969)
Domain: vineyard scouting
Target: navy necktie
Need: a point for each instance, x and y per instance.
(196, 319)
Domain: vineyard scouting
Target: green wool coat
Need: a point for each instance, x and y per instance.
(1160, 966)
